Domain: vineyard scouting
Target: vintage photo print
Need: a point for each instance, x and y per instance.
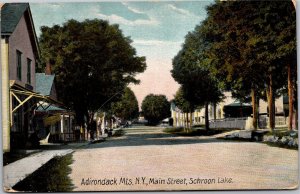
(149, 96)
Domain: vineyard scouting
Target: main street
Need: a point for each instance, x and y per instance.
(146, 158)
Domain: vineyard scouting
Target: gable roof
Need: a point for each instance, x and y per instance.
(44, 83)
(11, 14)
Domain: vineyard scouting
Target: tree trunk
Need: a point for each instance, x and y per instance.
(271, 103)
(290, 93)
(257, 105)
(191, 120)
(184, 122)
(296, 119)
(206, 117)
(215, 111)
(254, 108)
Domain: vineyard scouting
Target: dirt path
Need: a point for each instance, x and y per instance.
(148, 159)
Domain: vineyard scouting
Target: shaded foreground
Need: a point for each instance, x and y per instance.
(148, 159)
(52, 177)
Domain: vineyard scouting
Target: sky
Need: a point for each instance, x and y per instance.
(157, 29)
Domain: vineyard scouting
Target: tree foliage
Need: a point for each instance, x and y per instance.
(155, 108)
(181, 102)
(92, 60)
(192, 70)
(252, 44)
(247, 47)
(127, 108)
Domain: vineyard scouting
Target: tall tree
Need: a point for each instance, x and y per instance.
(250, 42)
(185, 106)
(127, 108)
(155, 108)
(92, 61)
(192, 70)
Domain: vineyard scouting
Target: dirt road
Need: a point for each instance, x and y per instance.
(145, 158)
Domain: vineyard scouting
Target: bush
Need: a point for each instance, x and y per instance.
(285, 139)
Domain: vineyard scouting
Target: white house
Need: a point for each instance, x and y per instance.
(218, 116)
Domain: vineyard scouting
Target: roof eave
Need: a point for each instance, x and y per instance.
(33, 33)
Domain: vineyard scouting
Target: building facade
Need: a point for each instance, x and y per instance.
(52, 121)
(241, 118)
(19, 54)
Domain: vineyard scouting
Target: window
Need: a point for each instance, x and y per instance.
(17, 117)
(29, 71)
(19, 65)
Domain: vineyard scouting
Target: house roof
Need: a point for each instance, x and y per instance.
(49, 108)
(11, 13)
(238, 104)
(44, 83)
(174, 107)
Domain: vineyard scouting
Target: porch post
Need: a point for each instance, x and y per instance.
(62, 126)
(5, 96)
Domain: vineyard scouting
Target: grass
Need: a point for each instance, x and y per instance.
(173, 130)
(52, 177)
(200, 125)
(280, 132)
(196, 132)
(119, 133)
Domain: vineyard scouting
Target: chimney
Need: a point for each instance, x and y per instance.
(48, 69)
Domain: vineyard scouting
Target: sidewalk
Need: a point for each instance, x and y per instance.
(244, 134)
(19, 170)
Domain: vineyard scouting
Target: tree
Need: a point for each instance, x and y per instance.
(155, 108)
(127, 108)
(92, 61)
(231, 56)
(184, 105)
(192, 70)
(250, 42)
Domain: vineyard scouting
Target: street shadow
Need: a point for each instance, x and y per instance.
(155, 139)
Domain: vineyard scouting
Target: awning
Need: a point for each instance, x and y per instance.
(44, 107)
(51, 120)
(16, 89)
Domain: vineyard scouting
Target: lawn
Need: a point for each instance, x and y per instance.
(280, 132)
(196, 131)
(118, 133)
(52, 177)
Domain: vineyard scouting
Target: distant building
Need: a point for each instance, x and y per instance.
(56, 123)
(232, 108)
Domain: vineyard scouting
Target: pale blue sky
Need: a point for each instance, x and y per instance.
(156, 28)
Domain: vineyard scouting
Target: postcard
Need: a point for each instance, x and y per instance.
(149, 96)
